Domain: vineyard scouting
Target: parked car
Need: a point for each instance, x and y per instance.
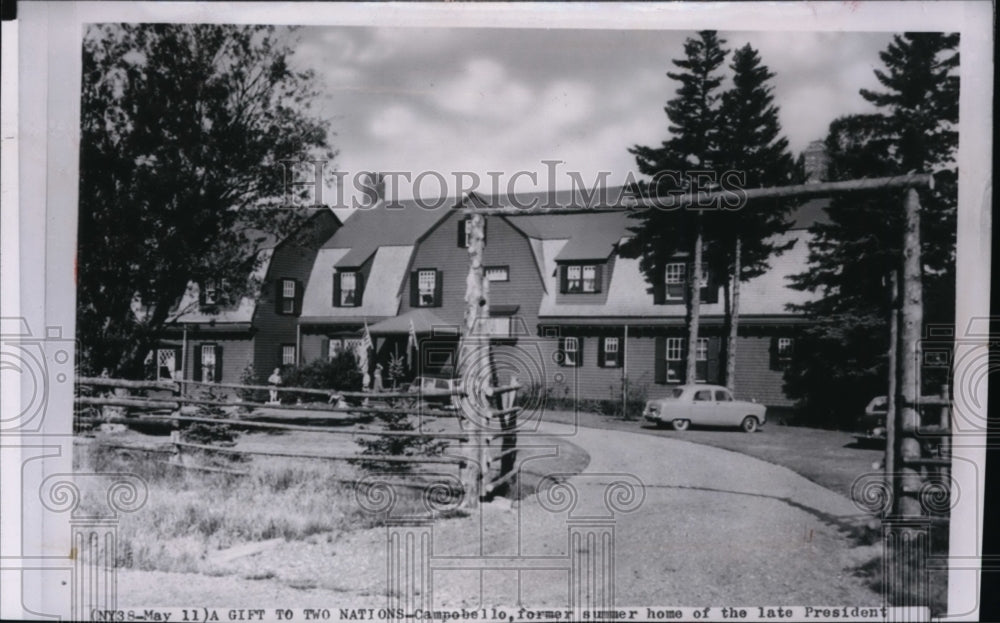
(872, 423)
(704, 405)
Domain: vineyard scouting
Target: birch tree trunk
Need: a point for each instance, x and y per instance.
(694, 306)
(911, 328)
(734, 317)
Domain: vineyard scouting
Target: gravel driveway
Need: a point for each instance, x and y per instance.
(714, 527)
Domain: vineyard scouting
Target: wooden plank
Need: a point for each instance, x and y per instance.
(101, 381)
(326, 457)
(139, 403)
(729, 197)
(427, 393)
(274, 426)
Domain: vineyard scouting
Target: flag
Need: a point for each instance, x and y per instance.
(411, 344)
(366, 340)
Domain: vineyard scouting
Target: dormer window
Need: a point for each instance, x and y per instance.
(347, 288)
(288, 297)
(212, 292)
(425, 288)
(464, 239)
(676, 277)
(674, 288)
(580, 278)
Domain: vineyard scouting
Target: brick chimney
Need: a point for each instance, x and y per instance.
(816, 162)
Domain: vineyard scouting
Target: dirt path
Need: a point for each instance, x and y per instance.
(710, 527)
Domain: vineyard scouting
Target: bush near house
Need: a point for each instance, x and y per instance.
(340, 373)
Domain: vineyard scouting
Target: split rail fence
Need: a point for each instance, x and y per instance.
(341, 413)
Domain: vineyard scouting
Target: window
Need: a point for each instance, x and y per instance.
(497, 273)
(722, 396)
(353, 345)
(335, 347)
(701, 354)
(463, 233)
(288, 296)
(426, 286)
(589, 279)
(676, 275)
(208, 363)
(785, 348)
(675, 359)
(610, 352)
(348, 289)
(574, 279)
(703, 395)
(288, 354)
(166, 363)
(571, 355)
(211, 296)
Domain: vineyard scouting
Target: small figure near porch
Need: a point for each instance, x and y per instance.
(275, 380)
(377, 381)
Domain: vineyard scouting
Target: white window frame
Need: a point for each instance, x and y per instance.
(171, 354)
(207, 363)
(505, 270)
(288, 299)
(701, 352)
(676, 272)
(589, 284)
(285, 350)
(468, 231)
(423, 289)
(353, 290)
(675, 349)
(570, 354)
(608, 342)
(785, 348)
(578, 278)
(211, 296)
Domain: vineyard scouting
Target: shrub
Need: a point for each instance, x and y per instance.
(339, 373)
(250, 377)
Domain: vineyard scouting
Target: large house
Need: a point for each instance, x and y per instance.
(567, 310)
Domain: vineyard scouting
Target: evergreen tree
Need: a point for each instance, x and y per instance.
(855, 257)
(693, 145)
(752, 146)
(183, 132)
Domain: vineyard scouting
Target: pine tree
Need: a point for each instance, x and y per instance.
(693, 145)
(856, 255)
(751, 145)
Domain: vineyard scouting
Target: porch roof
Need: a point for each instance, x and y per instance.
(424, 321)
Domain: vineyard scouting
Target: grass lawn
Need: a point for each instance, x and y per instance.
(828, 458)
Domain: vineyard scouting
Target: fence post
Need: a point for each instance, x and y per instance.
(945, 445)
(911, 329)
(509, 423)
(471, 351)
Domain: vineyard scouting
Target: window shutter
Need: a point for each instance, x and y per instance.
(438, 284)
(713, 359)
(660, 362)
(598, 277)
(563, 280)
(281, 356)
(336, 288)
(218, 363)
(710, 291)
(485, 221)
(277, 296)
(579, 352)
(197, 363)
(324, 348)
(775, 362)
(414, 292)
(659, 286)
(177, 361)
(601, 352)
(201, 294)
(461, 232)
(359, 288)
(299, 291)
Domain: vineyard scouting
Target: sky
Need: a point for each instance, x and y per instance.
(505, 100)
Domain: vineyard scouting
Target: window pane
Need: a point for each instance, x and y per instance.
(335, 348)
(497, 273)
(288, 305)
(288, 355)
(675, 273)
(589, 278)
(674, 348)
(703, 395)
(425, 281)
(611, 345)
(208, 355)
(702, 353)
(347, 281)
(288, 288)
(722, 396)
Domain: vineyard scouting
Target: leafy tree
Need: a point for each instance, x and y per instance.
(693, 147)
(752, 146)
(184, 129)
(856, 255)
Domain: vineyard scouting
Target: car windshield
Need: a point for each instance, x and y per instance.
(677, 393)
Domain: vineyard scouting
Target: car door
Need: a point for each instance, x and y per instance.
(727, 410)
(702, 407)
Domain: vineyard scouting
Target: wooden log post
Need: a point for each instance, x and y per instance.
(945, 423)
(473, 354)
(891, 413)
(909, 379)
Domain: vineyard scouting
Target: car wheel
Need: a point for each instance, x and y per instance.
(749, 424)
(681, 424)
